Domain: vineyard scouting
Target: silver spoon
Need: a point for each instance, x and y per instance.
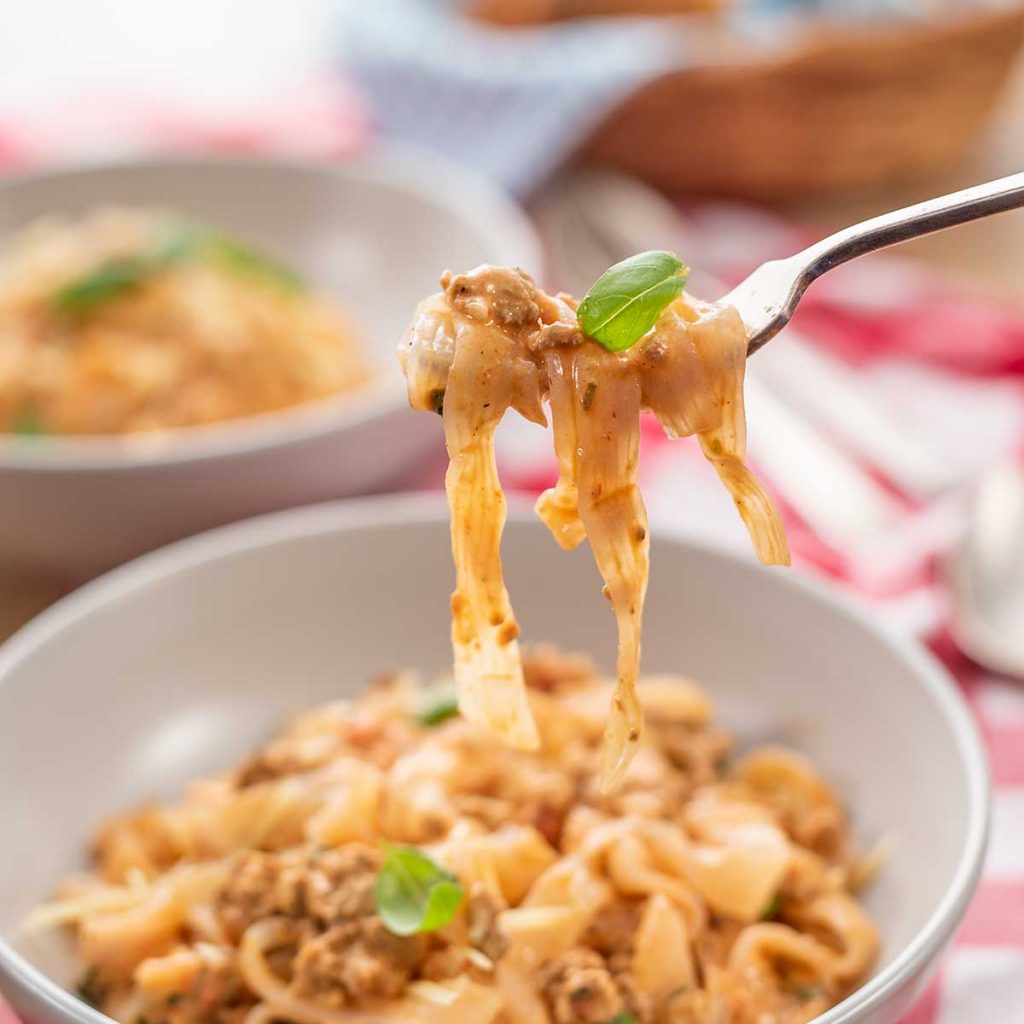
(768, 298)
(986, 575)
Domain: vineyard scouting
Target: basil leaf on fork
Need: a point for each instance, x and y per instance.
(626, 300)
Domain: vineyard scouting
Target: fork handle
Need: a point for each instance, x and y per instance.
(768, 298)
(912, 222)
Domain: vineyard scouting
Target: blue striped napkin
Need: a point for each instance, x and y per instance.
(515, 103)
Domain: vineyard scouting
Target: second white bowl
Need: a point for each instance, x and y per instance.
(375, 232)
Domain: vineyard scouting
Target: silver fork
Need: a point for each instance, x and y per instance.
(592, 219)
(801, 399)
(768, 298)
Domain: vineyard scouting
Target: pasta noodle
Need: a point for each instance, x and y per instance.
(695, 893)
(493, 341)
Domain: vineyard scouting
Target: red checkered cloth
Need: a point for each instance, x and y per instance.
(950, 363)
(321, 119)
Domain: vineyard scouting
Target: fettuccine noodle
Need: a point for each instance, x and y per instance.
(492, 341)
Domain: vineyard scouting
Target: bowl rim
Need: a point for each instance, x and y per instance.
(353, 515)
(460, 192)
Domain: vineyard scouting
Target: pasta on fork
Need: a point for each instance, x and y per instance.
(490, 341)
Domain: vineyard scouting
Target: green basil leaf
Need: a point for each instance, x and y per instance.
(182, 241)
(807, 992)
(413, 894)
(238, 258)
(28, 424)
(440, 704)
(772, 908)
(88, 989)
(107, 281)
(626, 300)
(623, 1018)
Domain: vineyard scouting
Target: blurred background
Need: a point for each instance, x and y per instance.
(837, 108)
(568, 134)
(731, 131)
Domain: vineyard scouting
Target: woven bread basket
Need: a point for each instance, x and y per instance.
(529, 12)
(840, 112)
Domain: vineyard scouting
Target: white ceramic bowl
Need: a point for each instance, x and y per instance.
(180, 662)
(375, 232)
